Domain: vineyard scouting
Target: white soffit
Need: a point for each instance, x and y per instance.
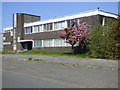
(25, 40)
(107, 14)
(8, 28)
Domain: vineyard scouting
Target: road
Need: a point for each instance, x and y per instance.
(13, 80)
(32, 74)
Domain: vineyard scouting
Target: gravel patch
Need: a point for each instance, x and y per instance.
(71, 61)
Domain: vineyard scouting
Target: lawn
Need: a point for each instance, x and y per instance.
(7, 52)
(55, 53)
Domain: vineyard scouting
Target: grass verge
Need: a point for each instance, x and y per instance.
(33, 52)
(7, 52)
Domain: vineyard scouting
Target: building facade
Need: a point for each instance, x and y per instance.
(30, 33)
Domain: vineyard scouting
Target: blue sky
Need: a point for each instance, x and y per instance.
(49, 10)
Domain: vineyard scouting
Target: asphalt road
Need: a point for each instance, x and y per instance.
(31, 74)
(13, 80)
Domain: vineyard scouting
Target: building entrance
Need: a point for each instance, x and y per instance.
(27, 46)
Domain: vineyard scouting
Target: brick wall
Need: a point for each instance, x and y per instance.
(58, 49)
(42, 35)
(8, 39)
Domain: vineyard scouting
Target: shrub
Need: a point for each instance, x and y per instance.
(3, 52)
(102, 44)
(116, 37)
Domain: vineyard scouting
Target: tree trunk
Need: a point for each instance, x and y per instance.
(72, 47)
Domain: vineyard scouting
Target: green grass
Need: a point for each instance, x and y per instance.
(0, 52)
(7, 52)
(33, 52)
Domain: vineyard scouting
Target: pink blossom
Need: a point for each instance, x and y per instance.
(75, 33)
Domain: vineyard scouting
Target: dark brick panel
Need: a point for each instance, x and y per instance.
(8, 47)
(31, 18)
(20, 26)
(58, 49)
(108, 19)
(42, 35)
(8, 37)
(91, 20)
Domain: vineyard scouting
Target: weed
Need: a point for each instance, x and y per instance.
(39, 60)
(30, 58)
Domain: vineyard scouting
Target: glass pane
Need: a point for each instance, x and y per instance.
(63, 42)
(40, 28)
(31, 29)
(35, 29)
(44, 27)
(47, 27)
(68, 23)
(51, 26)
(50, 42)
(55, 25)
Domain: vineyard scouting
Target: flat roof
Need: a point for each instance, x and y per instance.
(78, 15)
(8, 28)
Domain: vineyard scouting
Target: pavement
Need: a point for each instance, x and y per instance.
(101, 64)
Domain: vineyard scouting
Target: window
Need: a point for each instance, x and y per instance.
(11, 33)
(72, 20)
(36, 29)
(59, 42)
(69, 22)
(62, 42)
(102, 20)
(77, 20)
(48, 43)
(38, 43)
(40, 28)
(67, 44)
(28, 30)
(4, 38)
(48, 27)
(59, 25)
(6, 43)
(7, 31)
(55, 25)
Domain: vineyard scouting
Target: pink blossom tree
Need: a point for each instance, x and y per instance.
(77, 32)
